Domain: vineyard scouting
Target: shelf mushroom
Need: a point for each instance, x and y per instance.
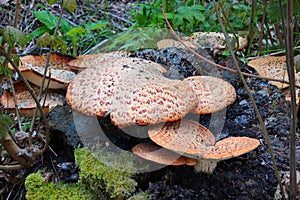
(92, 60)
(272, 67)
(25, 101)
(162, 156)
(213, 93)
(190, 139)
(183, 136)
(151, 102)
(59, 75)
(92, 90)
(225, 149)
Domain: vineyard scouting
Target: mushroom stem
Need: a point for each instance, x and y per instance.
(207, 166)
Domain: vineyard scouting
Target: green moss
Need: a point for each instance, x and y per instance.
(38, 189)
(109, 175)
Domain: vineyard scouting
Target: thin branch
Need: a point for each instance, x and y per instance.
(263, 127)
(10, 167)
(291, 72)
(30, 90)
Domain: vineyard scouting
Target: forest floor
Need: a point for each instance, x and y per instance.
(250, 176)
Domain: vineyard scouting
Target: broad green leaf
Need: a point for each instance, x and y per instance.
(15, 58)
(46, 18)
(14, 36)
(95, 26)
(51, 1)
(1, 39)
(70, 5)
(76, 31)
(65, 26)
(296, 7)
(59, 43)
(44, 40)
(5, 122)
(37, 32)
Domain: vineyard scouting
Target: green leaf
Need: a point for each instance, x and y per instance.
(59, 43)
(46, 18)
(51, 1)
(44, 40)
(14, 36)
(296, 7)
(15, 58)
(76, 31)
(37, 32)
(5, 122)
(65, 26)
(95, 26)
(70, 5)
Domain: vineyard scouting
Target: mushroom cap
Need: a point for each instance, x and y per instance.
(213, 93)
(92, 90)
(185, 136)
(215, 40)
(92, 60)
(161, 155)
(26, 104)
(231, 147)
(33, 68)
(145, 101)
(272, 67)
(168, 43)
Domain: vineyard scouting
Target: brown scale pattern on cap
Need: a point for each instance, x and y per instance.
(231, 147)
(151, 101)
(92, 60)
(213, 93)
(25, 102)
(272, 67)
(92, 90)
(184, 136)
(56, 61)
(161, 155)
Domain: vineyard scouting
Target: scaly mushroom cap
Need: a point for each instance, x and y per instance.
(92, 90)
(92, 60)
(169, 43)
(215, 40)
(145, 101)
(25, 101)
(231, 147)
(272, 67)
(185, 136)
(160, 155)
(33, 68)
(213, 93)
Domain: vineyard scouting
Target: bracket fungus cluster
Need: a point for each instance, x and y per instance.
(187, 142)
(25, 102)
(134, 91)
(32, 67)
(59, 74)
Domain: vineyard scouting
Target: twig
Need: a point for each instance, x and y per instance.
(263, 127)
(30, 90)
(10, 167)
(291, 72)
(43, 83)
(250, 30)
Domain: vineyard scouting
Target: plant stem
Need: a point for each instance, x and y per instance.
(291, 73)
(251, 99)
(250, 30)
